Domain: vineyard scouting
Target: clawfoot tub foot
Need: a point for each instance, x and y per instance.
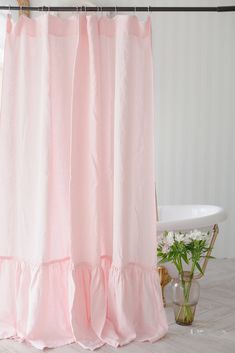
(165, 278)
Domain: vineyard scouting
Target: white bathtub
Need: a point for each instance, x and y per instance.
(184, 217)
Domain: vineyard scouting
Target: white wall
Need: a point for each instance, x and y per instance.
(195, 111)
(194, 73)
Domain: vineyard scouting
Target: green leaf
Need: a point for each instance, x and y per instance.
(199, 268)
(185, 258)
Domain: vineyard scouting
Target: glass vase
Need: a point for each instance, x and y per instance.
(185, 295)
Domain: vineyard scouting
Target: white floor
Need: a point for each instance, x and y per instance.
(212, 332)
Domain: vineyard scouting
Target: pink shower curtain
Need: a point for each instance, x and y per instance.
(77, 201)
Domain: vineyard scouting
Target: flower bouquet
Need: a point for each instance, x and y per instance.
(184, 249)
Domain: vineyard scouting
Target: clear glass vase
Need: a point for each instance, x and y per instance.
(185, 295)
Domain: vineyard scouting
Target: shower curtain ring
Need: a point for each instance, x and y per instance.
(150, 11)
(21, 10)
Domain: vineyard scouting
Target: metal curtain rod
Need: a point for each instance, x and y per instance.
(121, 8)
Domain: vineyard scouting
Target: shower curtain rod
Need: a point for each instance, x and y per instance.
(121, 8)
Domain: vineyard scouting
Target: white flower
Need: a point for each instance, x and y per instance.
(170, 239)
(187, 238)
(161, 238)
(197, 235)
(165, 249)
(179, 237)
(166, 239)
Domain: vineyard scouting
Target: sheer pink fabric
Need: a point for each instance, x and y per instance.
(77, 200)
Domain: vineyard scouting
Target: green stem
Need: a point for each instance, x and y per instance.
(187, 316)
(187, 292)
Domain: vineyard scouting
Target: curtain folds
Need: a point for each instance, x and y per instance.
(77, 190)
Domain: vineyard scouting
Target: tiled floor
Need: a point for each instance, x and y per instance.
(212, 332)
